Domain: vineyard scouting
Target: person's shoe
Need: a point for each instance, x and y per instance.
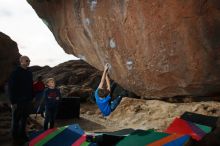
(120, 96)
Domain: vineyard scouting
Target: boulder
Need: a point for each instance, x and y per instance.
(74, 72)
(155, 48)
(9, 57)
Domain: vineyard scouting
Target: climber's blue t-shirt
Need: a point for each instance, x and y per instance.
(103, 103)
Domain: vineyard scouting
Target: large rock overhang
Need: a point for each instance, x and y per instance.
(155, 48)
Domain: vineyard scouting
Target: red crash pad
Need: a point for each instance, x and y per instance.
(181, 126)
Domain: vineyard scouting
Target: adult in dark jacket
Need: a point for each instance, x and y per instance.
(20, 93)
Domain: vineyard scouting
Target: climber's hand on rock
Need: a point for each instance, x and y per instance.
(106, 66)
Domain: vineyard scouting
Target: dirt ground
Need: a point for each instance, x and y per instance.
(131, 113)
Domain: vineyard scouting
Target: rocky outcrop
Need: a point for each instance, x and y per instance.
(9, 57)
(155, 48)
(74, 78)
(74, 72)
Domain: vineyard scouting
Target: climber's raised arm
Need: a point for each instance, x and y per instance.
(108, 82)
(103, 77)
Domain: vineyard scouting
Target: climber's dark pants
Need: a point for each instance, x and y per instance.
(114, 103)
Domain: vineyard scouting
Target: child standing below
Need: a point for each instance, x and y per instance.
(51, 96)
(103, 95)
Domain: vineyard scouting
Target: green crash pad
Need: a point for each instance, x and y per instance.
(142, 138)
(204, 128)
(85, 144)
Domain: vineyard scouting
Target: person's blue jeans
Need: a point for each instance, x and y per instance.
(114, 103)
(50, 115)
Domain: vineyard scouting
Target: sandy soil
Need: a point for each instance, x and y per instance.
(146, 114)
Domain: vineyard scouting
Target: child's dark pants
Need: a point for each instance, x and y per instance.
(50, 115)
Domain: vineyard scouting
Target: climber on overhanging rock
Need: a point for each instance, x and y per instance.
(103, 95)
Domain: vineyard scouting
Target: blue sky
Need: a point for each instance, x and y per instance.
(19, 21)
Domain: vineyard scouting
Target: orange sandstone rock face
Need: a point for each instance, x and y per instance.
(156, 48)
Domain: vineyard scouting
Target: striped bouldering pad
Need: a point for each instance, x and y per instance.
(33, 134)
(179, 141)
(209, 121)
(71, 135)
(172, 140)
(88, 144)
(181, 126)
(141, 138)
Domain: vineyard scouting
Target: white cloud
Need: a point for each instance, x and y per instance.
(19, 21)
